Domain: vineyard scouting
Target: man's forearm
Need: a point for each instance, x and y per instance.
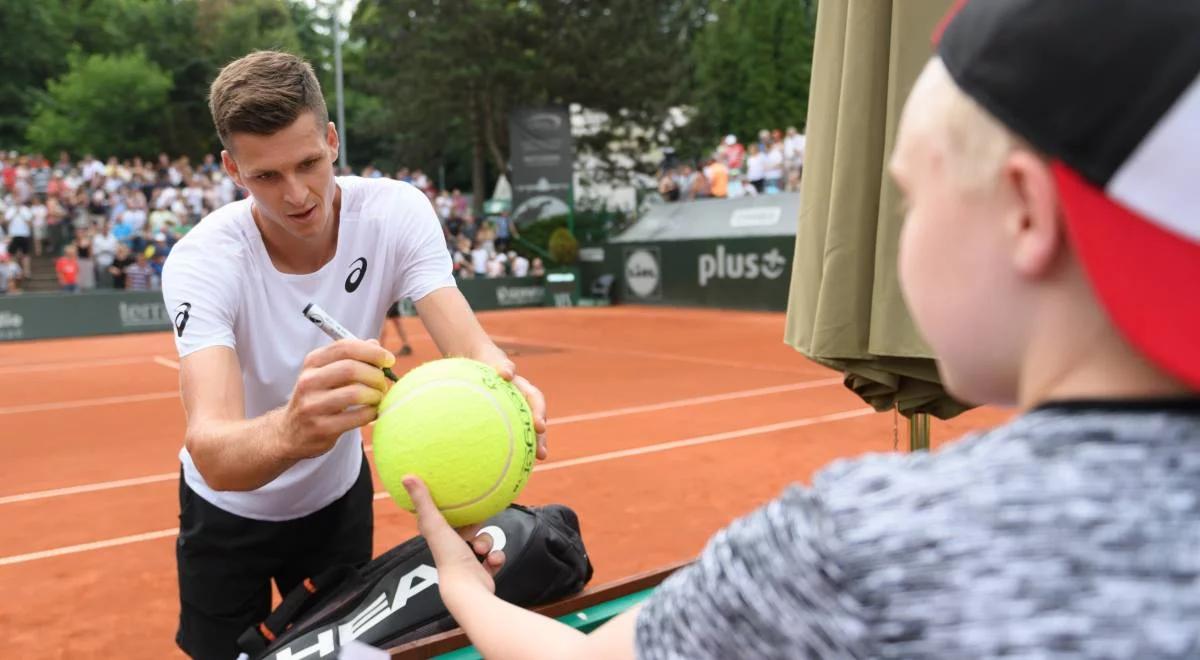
(239, 454)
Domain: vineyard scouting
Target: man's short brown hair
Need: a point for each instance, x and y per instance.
(263, 93)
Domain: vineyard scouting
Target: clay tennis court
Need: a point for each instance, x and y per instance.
(664, 425)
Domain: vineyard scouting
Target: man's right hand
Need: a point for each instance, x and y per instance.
(338, 390)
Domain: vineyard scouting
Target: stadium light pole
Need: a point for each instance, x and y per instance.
(337, 75)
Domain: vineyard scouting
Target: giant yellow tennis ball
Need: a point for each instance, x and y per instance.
(463, 429)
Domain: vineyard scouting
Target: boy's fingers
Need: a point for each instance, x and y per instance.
(482, 544)
(430, 522)
(494, 562)
(419, 495)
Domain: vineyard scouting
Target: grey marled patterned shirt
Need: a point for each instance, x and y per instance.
(1072, 532)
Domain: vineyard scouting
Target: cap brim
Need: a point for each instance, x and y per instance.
(1143, 275)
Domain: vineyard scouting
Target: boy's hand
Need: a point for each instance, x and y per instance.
(458, 563)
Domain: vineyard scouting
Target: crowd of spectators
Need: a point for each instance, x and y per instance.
(479, 247)
(773, 163)
(111, 224)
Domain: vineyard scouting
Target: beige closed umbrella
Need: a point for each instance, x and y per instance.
(845, 309)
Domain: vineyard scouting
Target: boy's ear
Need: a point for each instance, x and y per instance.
(1035, 224)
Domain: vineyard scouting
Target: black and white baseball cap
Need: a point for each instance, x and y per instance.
(1109, 91)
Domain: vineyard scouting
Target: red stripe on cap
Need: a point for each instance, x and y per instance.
(942, 24)
(1143, 275)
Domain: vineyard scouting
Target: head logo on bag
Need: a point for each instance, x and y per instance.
(326, 641)
(391, 601)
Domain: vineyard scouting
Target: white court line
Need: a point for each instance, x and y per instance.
(706, 439)
(655, 313)
(647, 354)
(697, 401)
(557, 465)
(61, 365)
(85, 547)
(665, 405)
(84, 403)
(170, 364)
(90, 488)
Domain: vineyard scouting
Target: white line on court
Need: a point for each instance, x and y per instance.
(585, 417)
(557, 465)
(705, 439)
(89, 488)
(648, 354)
(170, 364)
(85, 547)
(83, 403)
(30, 367)
(697, 401)
(664, 313)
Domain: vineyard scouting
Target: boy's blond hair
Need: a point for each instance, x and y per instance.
(976, 141)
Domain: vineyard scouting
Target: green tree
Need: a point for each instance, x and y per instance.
(753, 65)
(188, 39)
(445, 71)
(31, 37)
(104, 104)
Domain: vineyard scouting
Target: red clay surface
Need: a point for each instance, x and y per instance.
(90, 571)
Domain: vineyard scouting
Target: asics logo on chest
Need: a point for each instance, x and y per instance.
(358, 270)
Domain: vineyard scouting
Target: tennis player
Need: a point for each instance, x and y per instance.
(1050, 254)
(274, 484)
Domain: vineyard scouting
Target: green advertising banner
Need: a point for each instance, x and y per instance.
(734, 273)
(45, 316)
(503, 292)
(34, 316)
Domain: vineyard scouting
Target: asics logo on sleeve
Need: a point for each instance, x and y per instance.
(182, 314)
(358, 271)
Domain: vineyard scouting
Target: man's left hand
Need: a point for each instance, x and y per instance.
(537, 402)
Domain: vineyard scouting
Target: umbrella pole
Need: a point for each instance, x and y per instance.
(918, 432)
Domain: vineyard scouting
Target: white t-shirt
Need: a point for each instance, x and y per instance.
(221, 289)
(40, 213)
(166, 198)
(756, 167)
(520, 266)
(793, 149)
(195, 199)
(20, 218)
(91, 168)
(227, 190)
(479, 260)
(775, 163)
(445, 206)
(104, 247)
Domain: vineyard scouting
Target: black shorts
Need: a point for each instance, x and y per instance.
(226, 562)
(18, 245)
(393, 311)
